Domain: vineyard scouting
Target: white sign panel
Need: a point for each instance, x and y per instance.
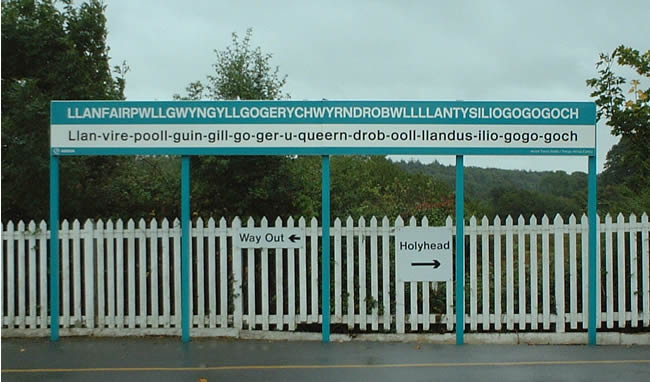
(306, 135)
(423, 254)
(271, 237)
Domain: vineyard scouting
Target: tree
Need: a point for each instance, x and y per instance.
(51, 54)
(240, 72)
(628, 163)
(371, 186)
(245, 186)
(628, 116)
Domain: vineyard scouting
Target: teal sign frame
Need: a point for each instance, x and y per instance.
(323, 128)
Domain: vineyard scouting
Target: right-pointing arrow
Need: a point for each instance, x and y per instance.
(435, 264)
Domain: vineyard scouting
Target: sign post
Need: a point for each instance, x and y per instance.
(593, 255)
(460, 251)
(186, 264)
(325, 262)
(54, 247)
(322, 128)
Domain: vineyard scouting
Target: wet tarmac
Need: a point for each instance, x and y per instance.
(203, 360)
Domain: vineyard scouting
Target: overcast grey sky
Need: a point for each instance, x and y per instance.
(363, 49)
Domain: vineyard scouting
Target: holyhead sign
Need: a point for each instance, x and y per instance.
(423, 254)
(322, 127)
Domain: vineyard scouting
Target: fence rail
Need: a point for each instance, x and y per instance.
(523, 275)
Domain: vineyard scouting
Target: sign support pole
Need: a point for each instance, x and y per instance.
(185, 250)
(593, 239)
(54, 247)
(460, 251)
(325, 261)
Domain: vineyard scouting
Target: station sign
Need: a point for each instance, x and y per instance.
(423, 254)
(322, 127)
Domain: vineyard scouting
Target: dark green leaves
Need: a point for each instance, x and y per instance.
(625, 104)
(50, 53)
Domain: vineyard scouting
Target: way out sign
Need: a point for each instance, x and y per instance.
(423, 254)
(261, 237)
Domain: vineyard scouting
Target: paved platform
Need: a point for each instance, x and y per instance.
(167, 359)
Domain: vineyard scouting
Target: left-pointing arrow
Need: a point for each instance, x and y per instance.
(294, 238)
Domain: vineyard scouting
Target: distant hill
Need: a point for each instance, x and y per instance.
(494, 191)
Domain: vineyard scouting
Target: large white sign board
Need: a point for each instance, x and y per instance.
(423, 254)
(317, 127)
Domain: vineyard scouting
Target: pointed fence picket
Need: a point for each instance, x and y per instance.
(250, 285)
(237, 281)
(521, 270)
(634, 274)
(76, 274)
(211, 236)
(374, 275)
(21, 275)
(42, 234)
(31, 281)
(337, 314)
(473, 272)
(101, 275)
(510, 282)
(361, 234)
(534, 287)
(385, 279)
(399, 292)
(426, 289)
(646, 270)
(599, 280)
(584, 234)
(119, 261)
(124, 279)
(449, 312)
(485, 273)
(620, 270)
(291, 281)
(279, 281)
(198, 271)
(350, 290)
(573, 273)
(130, 265)
(302, 274)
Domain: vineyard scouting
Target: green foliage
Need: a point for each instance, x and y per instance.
(244, 186)
(51, 54)
(515, 202)
(240, 72)
(626, 115)
(305, 173)
(245, 72)
(149, 187)
(493, 192)
(626, 178)
(372, 186)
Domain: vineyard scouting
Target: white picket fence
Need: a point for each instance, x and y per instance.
(125, 280)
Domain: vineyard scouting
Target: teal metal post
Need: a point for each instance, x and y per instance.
(325, 287)
(54, 247)
(185, 250)
(460, 251)
(593, 239)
